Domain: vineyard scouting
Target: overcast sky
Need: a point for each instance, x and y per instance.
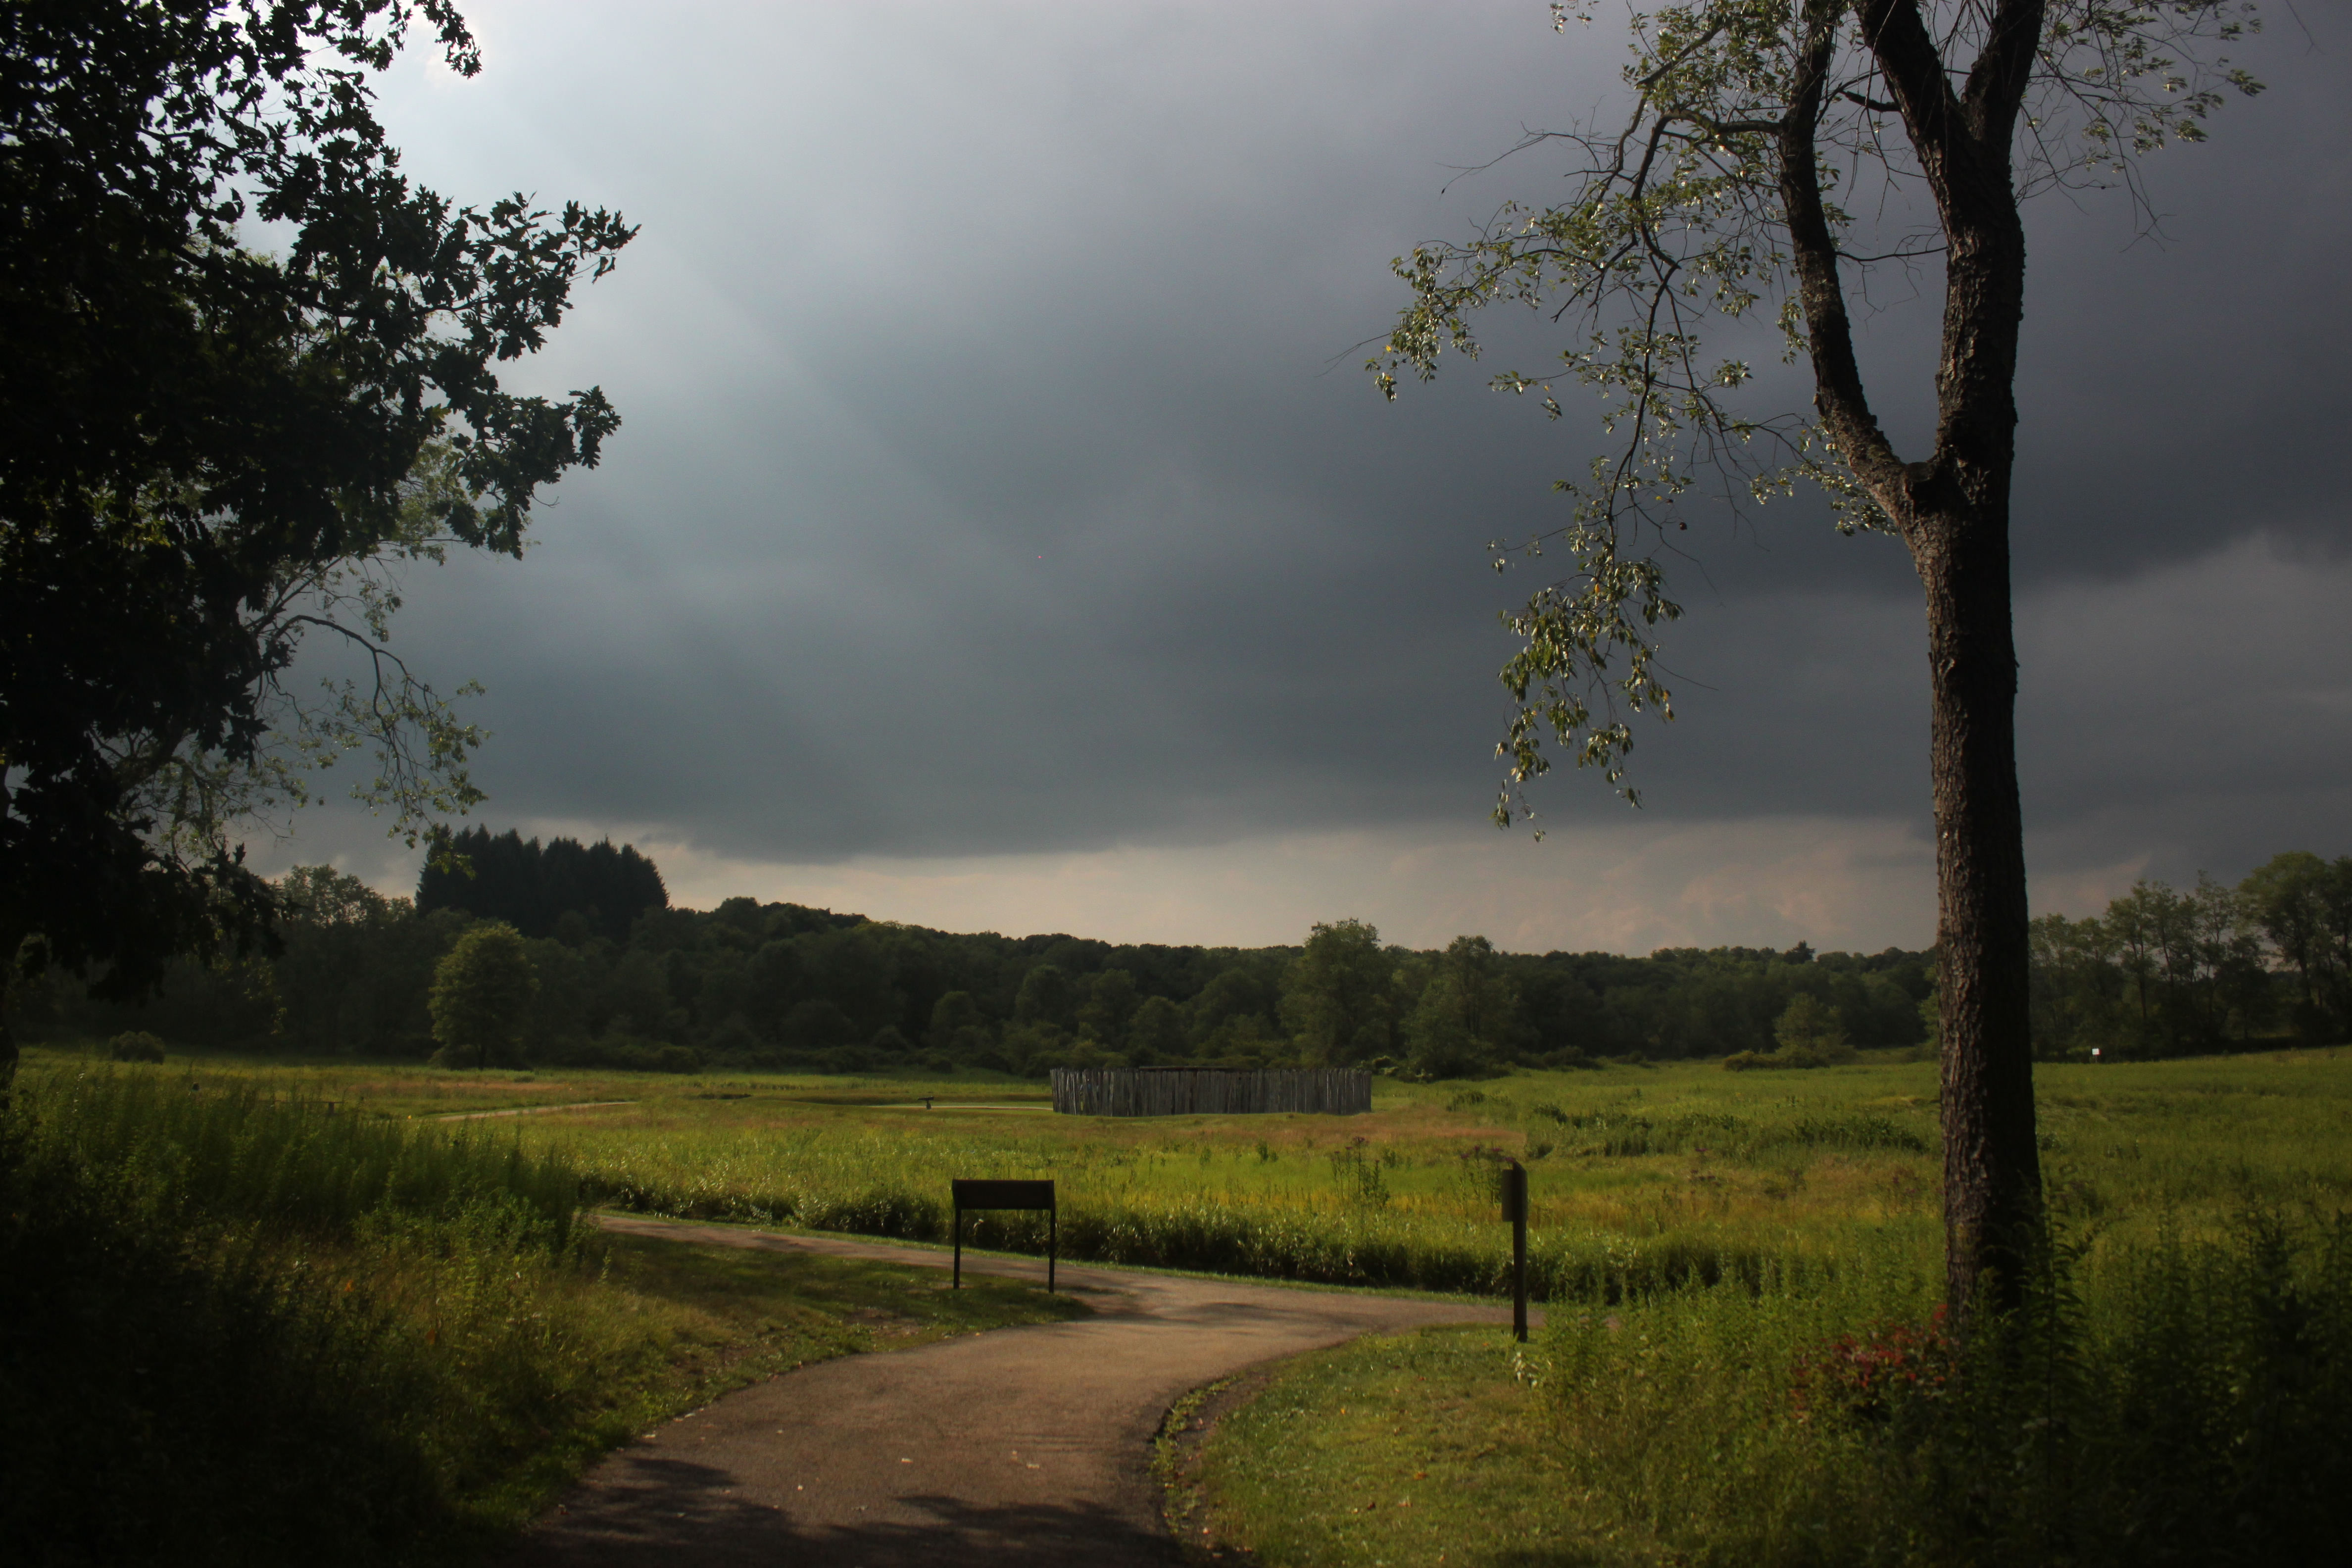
(1002, 536)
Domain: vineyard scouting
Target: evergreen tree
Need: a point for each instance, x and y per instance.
(505, 877)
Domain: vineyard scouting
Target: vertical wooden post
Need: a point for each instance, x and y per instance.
(1052, 1242)
(1515, 1209)
(959, 1248)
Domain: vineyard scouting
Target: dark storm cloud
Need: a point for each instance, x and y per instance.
(998, 476)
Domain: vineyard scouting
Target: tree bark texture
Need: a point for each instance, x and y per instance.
(1992, 1178)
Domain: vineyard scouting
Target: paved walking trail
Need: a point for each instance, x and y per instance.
(1026, 1446)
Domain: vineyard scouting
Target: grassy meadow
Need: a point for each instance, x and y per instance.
(1640, 1176)
(2194, 1330)
(2166, 1401)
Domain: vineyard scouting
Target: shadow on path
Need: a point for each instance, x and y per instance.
(1028, 1445)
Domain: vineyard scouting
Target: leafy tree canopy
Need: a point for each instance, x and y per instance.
(201, 439)
(1339, 990)
(481, 996)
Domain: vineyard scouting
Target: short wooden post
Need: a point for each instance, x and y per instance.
(1515, 1209)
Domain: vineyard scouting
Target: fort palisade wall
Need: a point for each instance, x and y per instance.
(1208, 1091)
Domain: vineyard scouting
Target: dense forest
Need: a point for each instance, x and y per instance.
(622, 979)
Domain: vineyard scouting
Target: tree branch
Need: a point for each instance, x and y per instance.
(1897, 35)
(2003, 68)
(1839, 393)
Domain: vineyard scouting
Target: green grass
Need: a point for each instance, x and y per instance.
(2168, 1400)
(426, 1272)
(1641, 1177)
(236, 1328)
(246, 1150)
(1419, 1449)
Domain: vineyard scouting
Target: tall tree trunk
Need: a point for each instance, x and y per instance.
(1953, 511)
(1993, 1177)
(1957, 529)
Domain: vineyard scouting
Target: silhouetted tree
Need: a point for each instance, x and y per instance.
(2303, 904)
(505, 877)
(207, 452)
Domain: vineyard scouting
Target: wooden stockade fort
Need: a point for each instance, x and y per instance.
(1210, 1091)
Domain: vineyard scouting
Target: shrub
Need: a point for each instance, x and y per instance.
(1832, 1056)
(135, 1046)
(1873, 1375)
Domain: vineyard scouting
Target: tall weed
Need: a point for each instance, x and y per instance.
(242, 1330)
(238, 1153)
(2172, 1401)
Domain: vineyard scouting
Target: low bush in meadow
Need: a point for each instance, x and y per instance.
(135, 1046)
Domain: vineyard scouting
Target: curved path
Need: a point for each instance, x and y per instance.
(1027, 1446)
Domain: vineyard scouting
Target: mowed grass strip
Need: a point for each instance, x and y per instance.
(1416, 1448)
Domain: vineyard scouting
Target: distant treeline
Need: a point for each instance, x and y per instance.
(782, 985)
(2165, 972)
